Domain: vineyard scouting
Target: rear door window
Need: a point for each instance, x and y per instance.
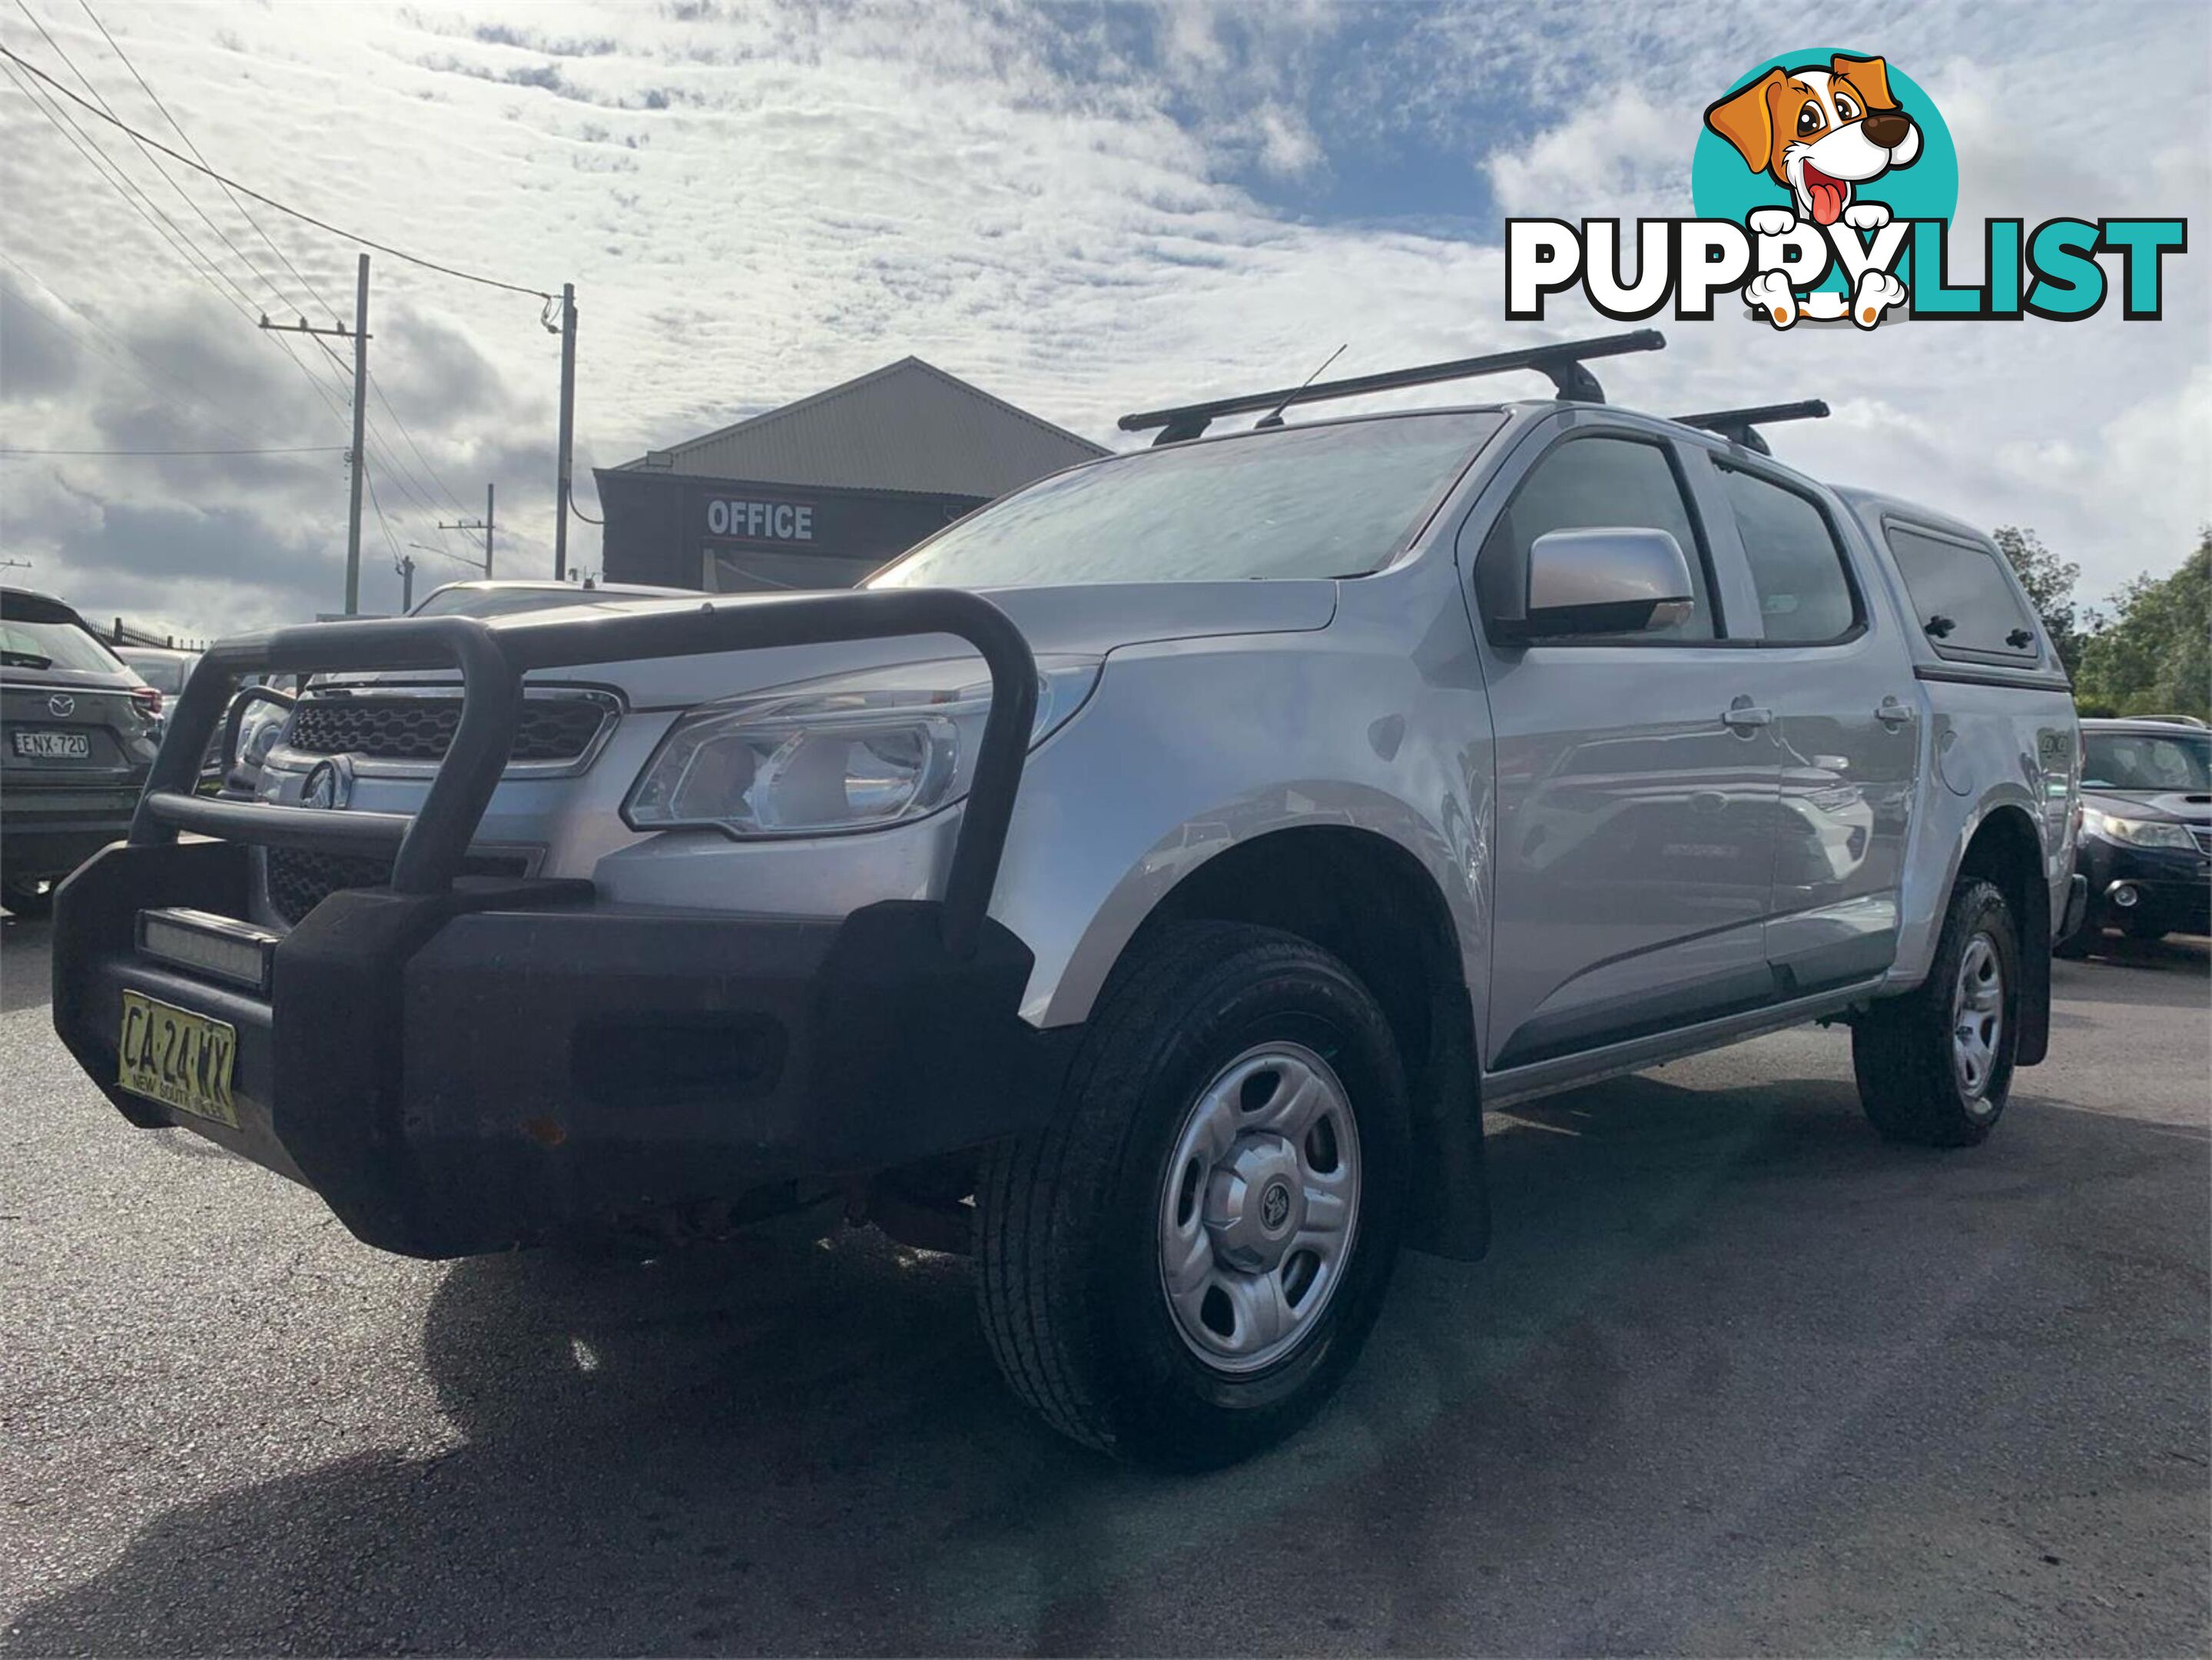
(1961, 597)
(1805, 596)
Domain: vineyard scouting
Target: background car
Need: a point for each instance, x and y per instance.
(2146, 842)
(78, 730)
(159, 666)
(493, 598)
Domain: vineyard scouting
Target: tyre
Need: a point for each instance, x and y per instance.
(1183, 1265)
(1935, 1066)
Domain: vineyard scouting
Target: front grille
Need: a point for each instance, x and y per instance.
(555, 729)
(299, 880)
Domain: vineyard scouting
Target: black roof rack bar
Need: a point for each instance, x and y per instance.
(1739, 426)
(1562, 360)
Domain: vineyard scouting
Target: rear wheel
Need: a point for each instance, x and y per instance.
(1935, 1066)
(1184, 1264)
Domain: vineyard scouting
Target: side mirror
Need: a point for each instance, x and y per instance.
(1605, 581)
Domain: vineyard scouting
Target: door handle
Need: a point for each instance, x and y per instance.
(1745, 717)
(1893, 714)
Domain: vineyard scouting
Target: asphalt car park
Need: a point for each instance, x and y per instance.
(1736, 1376)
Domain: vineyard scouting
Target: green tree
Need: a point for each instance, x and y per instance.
(2050, 581)
(2155, 656)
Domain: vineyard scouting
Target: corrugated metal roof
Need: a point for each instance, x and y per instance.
(906, 426)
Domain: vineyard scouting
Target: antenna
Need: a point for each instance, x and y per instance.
(1562, 361)
(1273, 417)
(1740, 426)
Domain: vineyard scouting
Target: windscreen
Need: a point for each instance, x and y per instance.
(53, 646)
(2151, 762)
(1313, 501)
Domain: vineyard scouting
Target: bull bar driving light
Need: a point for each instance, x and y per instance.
(202, 943)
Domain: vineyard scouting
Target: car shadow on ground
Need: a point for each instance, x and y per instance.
(1649, 1383)
(2169, 972)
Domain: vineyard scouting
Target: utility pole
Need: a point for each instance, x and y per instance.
(360, 437)
(406, 569)
(567, 429)
(361, 338)
(483, 523)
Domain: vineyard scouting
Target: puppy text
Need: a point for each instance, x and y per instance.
(2057, 271)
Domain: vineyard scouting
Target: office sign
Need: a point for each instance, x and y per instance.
(752, 519)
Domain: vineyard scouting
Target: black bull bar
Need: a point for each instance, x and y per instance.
(427, 847)
(457, 1063)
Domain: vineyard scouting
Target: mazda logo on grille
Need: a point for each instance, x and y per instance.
(61, 706)
(330, 784)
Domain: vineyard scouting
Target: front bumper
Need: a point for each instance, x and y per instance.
(511, 1061)
(2173, 887)
(460, 1064)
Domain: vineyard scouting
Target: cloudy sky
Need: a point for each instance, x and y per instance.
(1082, 208)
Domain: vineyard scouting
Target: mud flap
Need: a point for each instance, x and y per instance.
(2034, 976)
(1451, 1187)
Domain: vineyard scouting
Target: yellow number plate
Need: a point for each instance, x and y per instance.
(181, 1059)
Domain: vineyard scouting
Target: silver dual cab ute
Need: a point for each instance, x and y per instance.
(1146, 883)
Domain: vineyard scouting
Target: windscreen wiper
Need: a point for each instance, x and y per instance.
(24, 660)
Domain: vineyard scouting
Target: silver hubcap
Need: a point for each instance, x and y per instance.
(1977, 1019)
(1260, 1206)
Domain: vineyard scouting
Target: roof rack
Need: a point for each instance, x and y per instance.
(1739, 426)
(1562, 360)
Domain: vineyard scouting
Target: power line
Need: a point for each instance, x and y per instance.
(374, 387)
(23, 6)
(409, 483)
(190, 393)
(447, 553)
(271, 200)
(200, 156)
(333, 403)
(122, 183)
(180, 241)
(287, 449)
(373, 438)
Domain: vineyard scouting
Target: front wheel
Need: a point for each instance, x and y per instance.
(1934, 1066)
(1181, 1267)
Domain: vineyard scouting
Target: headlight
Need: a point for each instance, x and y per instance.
(2136, 832)
(859, 752)
(258, 730)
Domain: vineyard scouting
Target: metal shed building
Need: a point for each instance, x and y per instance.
(820, 492)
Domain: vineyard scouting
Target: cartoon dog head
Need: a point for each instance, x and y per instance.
(1821, 132)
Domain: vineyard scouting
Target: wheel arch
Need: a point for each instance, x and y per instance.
(2006, 848)
(1363, 897)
